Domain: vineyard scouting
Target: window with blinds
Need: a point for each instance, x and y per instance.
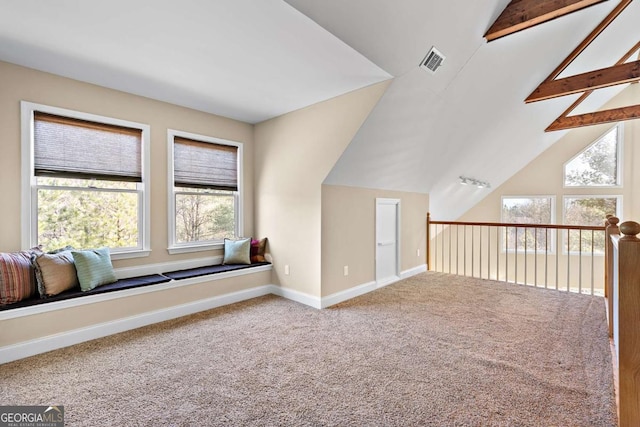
(72, 148)
(204, 201)
(205, 165)
(87, 185)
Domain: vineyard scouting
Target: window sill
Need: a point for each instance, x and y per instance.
(131, 254)
(194, 248)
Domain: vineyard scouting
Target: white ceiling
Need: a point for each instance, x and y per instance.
(246, 59)
(256, 59)
(469, 118)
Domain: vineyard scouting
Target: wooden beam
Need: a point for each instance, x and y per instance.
(522, 14)
(605, 77)
(591, 37)
(599, 117)
(585, 95)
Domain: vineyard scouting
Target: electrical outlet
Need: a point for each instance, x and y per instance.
(346, 270)
(418, 252)
(286, 270)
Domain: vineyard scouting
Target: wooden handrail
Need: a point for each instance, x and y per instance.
(532, 230)
(510, 224)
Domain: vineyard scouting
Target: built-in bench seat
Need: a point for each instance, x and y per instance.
(132, 282)
(209, 269)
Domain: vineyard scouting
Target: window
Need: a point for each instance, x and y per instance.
(83, 181)
(205, 188)
(527, 210)
(598, 165)
(589, 210)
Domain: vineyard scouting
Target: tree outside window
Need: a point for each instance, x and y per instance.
(597, 165)
(527, 210)
(588, 210)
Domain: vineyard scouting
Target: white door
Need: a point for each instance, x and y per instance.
(387, 241)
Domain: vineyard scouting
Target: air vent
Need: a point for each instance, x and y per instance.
(432, 61)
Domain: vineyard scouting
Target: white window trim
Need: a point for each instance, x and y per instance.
(28, 227)
(552, 235)
(177, 248)
(619, 166)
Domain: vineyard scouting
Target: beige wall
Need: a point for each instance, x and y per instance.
(294, 154)
(544, 175)
(348, 234)
(19, 83)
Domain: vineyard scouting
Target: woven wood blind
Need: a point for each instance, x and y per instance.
(205, 165)
(73, 148)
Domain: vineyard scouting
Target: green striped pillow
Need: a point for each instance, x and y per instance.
(94, 268)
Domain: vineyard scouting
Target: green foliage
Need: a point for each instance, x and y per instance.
(87, 219)
(204, 217)
(86, 214)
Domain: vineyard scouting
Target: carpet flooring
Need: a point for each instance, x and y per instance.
(431, 350)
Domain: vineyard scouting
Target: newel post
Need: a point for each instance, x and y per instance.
(628, 342)
(611, 229)
(428, 254)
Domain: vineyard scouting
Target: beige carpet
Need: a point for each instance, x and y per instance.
(433, 350)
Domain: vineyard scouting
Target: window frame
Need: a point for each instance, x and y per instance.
(552, 237)
(619, 160)
(29, 223)
(173, 246)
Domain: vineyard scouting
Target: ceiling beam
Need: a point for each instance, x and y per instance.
(522, 14)
(599, 117)
(605, 77)
(585, 95)
(591, 37)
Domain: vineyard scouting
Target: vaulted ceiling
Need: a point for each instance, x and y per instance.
(256, 59)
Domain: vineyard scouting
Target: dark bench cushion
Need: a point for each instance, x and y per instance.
(132, 282)
(210, 269)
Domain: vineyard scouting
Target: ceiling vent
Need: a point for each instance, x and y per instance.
(432, 61)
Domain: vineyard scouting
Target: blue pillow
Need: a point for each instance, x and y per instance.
(94, 268)
(237, 251)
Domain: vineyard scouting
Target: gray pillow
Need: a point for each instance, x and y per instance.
(237, 251)
(55, 273)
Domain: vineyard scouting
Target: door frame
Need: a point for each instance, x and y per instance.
(396, 202)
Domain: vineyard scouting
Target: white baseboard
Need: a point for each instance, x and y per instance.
(413, 271)
(297, 296)
(347, 294)
(65, 339)
(356, 291)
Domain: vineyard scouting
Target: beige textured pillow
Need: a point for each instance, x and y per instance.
(55, 273)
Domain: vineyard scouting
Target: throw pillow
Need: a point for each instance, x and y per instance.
(94, 268)
(258, 248)
(17, 278)
(237, 251)
(55, 273)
